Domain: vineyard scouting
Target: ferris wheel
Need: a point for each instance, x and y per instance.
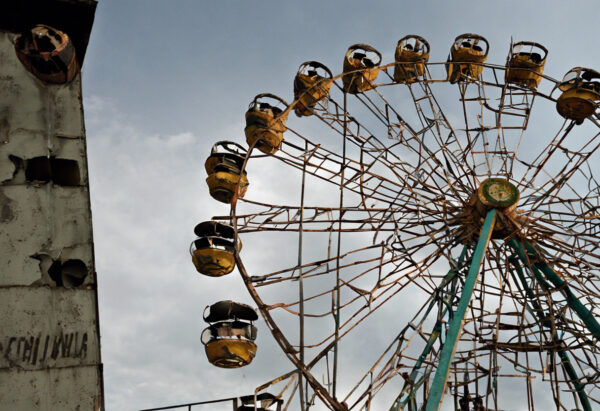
(414, 242)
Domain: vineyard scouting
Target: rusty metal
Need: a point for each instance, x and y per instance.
(48, 53)
(408, 205)
(229, 340)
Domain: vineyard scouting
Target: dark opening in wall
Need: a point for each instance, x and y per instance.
(69, 274)
(65, 172)
(58, 170)
(38, 169)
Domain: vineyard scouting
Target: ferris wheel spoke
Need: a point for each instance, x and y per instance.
(415, 144)
(319, 390)
(571, 166)
(449, 147)
(326, 165)
(354, 219)
(574, 160)
(516, 105)
(316, 219)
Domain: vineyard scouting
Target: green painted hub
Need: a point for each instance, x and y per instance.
(498, 193)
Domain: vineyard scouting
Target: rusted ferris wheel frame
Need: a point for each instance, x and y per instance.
(286, 346)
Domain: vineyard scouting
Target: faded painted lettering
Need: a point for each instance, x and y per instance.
(39, 349)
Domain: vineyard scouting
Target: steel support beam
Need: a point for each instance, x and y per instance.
(536, 267)
(411, 386)
(434, 401)
(572, 301)
(579, 387)
(537, 310)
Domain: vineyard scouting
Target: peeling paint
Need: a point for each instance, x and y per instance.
(6, 211)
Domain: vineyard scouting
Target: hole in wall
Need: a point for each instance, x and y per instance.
(64, 172)
(54, 273)
(18, 164)
(73, 273)
(58, 170)
(70, 274)
(38, 169)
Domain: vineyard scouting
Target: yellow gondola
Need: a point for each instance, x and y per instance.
(361, 68)
(466, 56)
(264, 402)
(213, 251)
(311, 85)
(580, 94)
(229, 340)
(265, 122)
(525, 64)
(224, 169)
(412, 52)
(47, 53)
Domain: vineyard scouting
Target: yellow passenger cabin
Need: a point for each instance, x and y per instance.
(265, 122)
(226, 180)
(580, 94)
(311, 85)
(213, 251)
(525, 64)
(361, 68)
(412, 52)
(467, 54)
(229, 340)
(263, 402)
(47, 53)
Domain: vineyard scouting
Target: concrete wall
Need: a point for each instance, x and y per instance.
(49, 333)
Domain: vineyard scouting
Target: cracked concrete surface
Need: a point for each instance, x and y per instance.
(49, 333)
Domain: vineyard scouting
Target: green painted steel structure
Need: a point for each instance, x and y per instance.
(541, 269)
(412, 385)
(537, 268)
(434, 401)
(531, 259)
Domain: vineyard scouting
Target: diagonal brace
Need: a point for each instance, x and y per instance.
(572, 301)
(558, 282)
(434, 401)
(412, 385)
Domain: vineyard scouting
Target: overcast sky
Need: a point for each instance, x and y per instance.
(163, 81)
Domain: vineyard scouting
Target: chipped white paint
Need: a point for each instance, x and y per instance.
(49, 339)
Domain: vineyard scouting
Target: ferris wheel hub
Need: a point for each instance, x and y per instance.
(498, 193)
(492, 193)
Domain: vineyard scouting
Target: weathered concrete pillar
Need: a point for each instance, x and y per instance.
(49, 331)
